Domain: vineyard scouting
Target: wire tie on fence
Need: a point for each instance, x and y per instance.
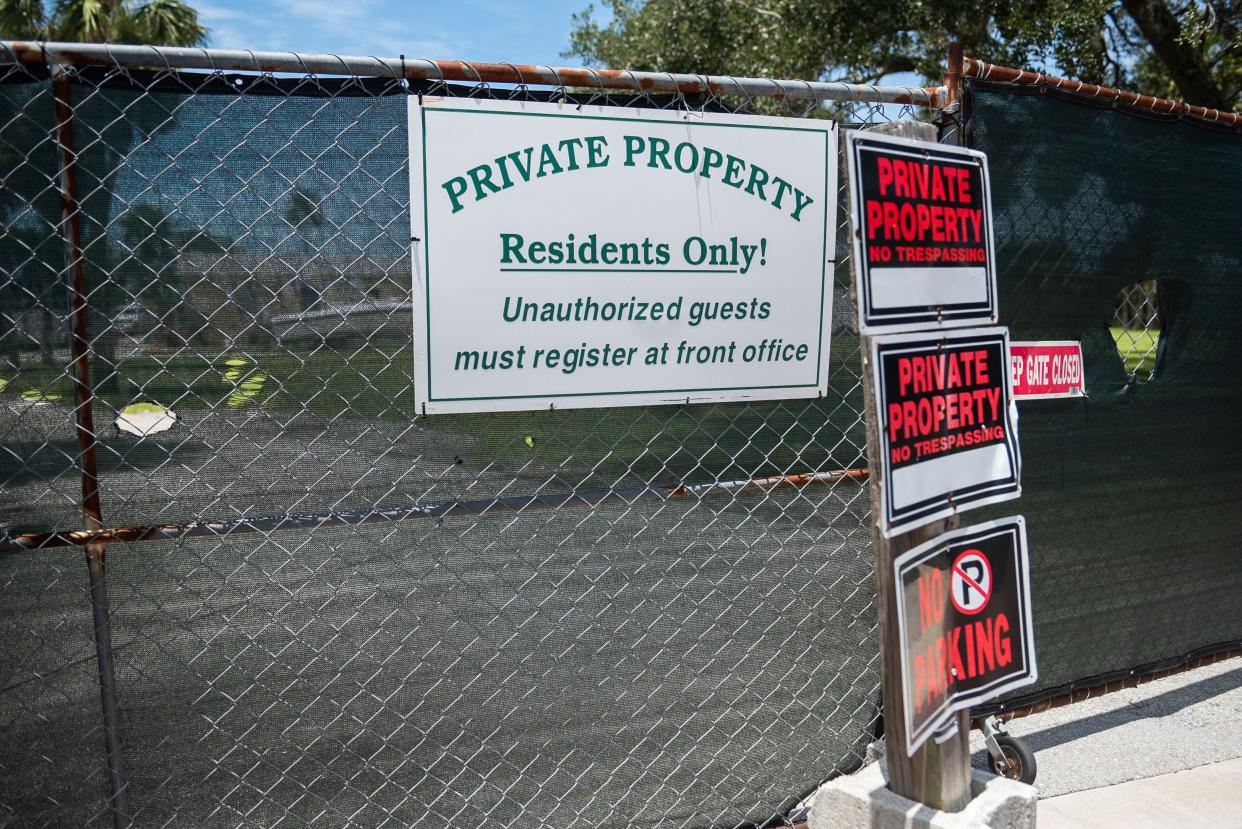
(679, 99)
(521, 90)
(601, 90)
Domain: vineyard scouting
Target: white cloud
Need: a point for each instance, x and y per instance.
(367, 27)
(471, 30)
(334, 15)
(230, 28)
(500, 8)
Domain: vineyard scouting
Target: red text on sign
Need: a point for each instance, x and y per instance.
(939, 372)
(963, 652)
(920, 180)
(947, 401)
(931, 600)
(906, 222)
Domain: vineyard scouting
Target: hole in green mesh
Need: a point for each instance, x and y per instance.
(1136, 328)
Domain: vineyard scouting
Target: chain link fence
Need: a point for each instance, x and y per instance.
(1112, 231)
(1136, 328)
(323, 607)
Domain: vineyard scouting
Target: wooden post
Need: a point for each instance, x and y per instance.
(939, 773)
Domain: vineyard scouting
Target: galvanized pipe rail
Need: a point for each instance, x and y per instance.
(239, 60)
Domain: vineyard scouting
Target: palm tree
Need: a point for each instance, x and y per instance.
(156, 22)
(304, 214)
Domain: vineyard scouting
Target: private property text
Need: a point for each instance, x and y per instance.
(926, 213)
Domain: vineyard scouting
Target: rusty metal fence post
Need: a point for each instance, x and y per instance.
(952, 116)
(71, 231)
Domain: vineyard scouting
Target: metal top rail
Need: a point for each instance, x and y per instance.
(240, 60)
(991, 72)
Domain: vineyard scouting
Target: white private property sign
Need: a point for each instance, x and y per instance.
(572, 257)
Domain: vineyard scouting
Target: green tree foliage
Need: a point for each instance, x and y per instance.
(159, 22)
(1189, 49)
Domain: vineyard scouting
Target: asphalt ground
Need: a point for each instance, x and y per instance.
(1169, 725)
(687, 661)
(691, 662)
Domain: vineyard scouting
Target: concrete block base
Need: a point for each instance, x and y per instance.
(863, 801)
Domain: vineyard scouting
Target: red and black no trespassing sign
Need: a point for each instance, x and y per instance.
(947, 437)
(964, 622)
(923, 246)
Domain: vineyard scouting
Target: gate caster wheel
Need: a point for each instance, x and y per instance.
(1021, 759)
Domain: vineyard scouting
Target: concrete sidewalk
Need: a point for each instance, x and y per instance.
(1165, 754)
(1207, 796)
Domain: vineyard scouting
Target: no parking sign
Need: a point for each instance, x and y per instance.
(970, 582)
(964, 622)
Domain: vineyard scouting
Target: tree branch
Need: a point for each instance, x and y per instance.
(758, 10)
(1186, 64)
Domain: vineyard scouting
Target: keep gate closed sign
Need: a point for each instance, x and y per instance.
(1043, 370)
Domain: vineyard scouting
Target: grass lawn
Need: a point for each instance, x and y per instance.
(1137, 347)
(374, 382)
(368, 382)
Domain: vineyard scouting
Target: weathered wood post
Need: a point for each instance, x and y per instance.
(939, 772)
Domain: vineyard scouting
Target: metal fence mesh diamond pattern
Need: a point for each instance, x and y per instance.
(349, 613)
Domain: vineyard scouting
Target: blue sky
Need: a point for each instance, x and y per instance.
(517, 31)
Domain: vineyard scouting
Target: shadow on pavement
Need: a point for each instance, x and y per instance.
(1094, 722)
